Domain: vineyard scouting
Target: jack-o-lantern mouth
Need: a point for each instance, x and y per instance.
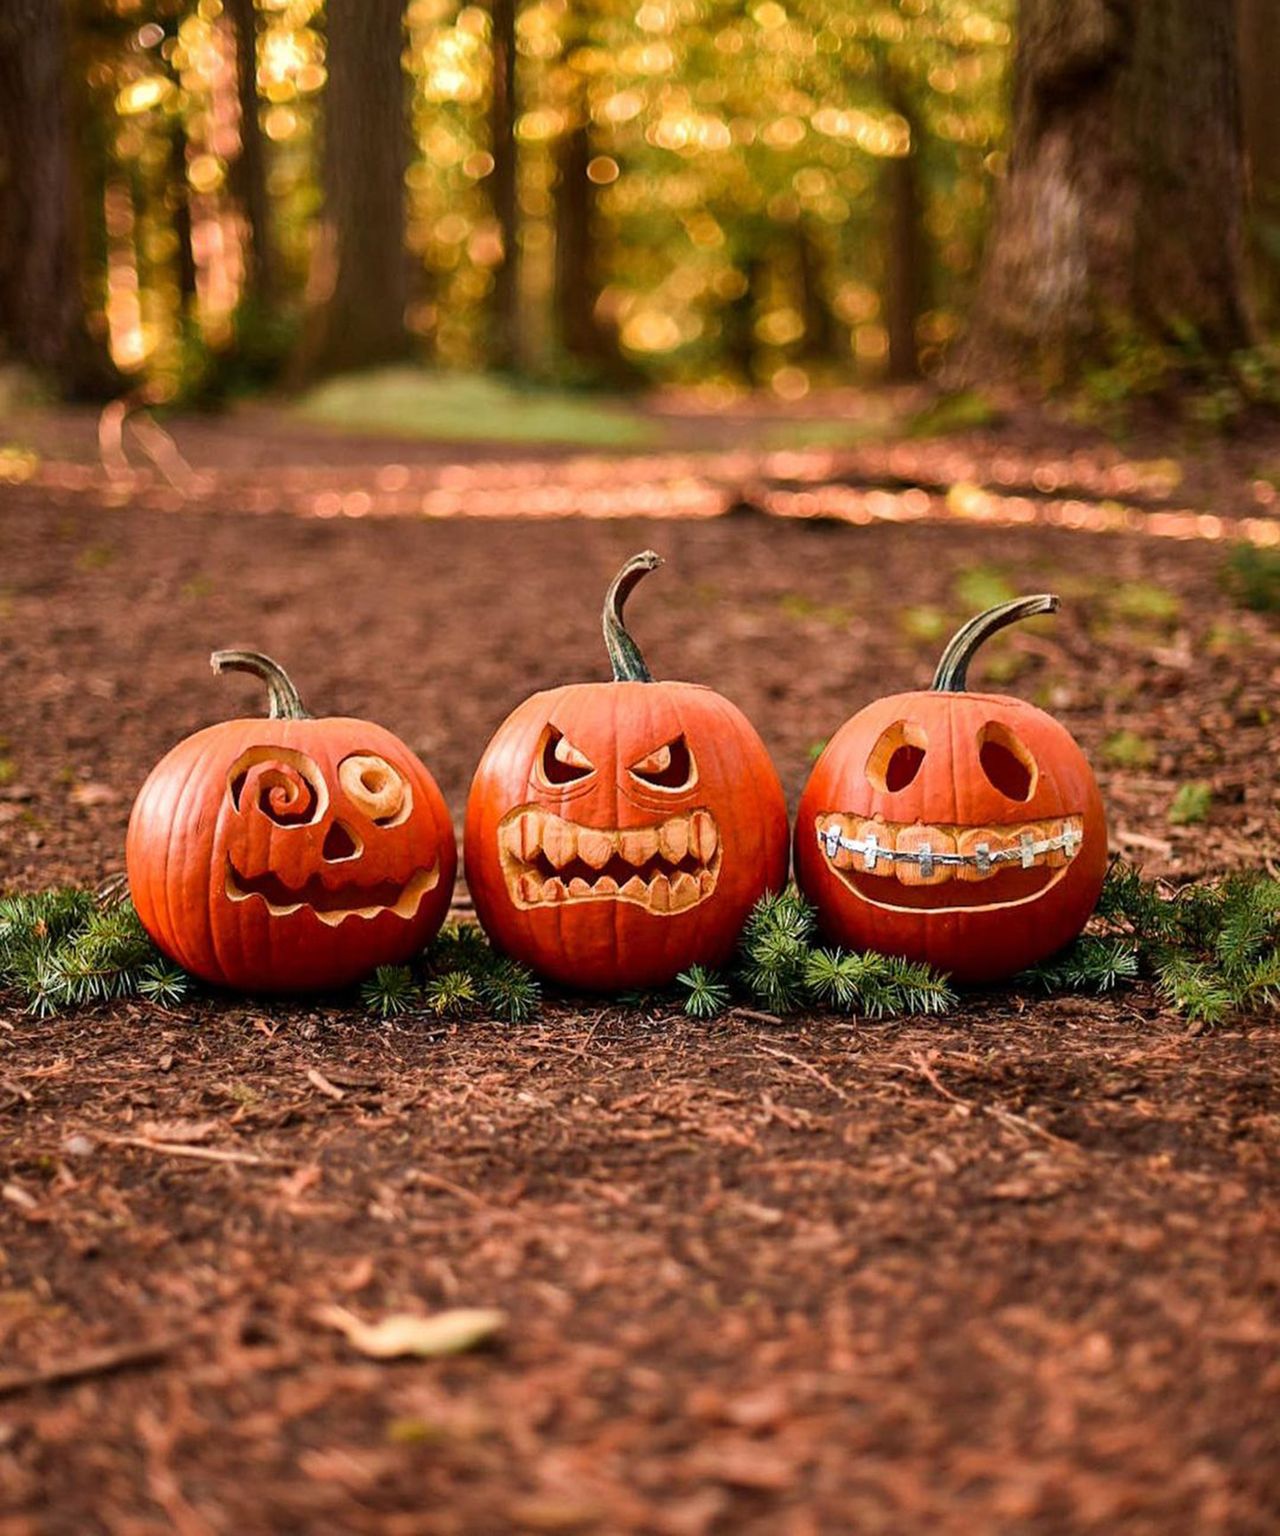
(665, 868)
(333, 906)
(900, 866)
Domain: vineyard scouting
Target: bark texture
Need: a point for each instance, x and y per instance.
(1259, 82)
(42, 310)
(1123, 207)
(249, 173)
(906, 275)
(360, 274)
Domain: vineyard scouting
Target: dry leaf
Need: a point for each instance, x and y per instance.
(93, 794)
(404, 1333)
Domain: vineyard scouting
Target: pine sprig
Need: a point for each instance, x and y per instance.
(458, 976)
(65, 949)
(707, 993)
(1211, 949)
(392, 990)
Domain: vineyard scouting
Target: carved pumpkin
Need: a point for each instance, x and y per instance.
(619, 832)
(965, 829)
(289, 854)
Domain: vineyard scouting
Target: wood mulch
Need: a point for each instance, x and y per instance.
(1017, 1270)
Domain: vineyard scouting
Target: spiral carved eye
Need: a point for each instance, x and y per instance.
(376, 788)
(286, 786)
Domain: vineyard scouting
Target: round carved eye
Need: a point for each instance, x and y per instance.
(560, 762)
(285, 785)
(669, 767)
(1006, 762)
(897, 757)
(376, 788)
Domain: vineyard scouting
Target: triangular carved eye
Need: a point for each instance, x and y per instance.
(670, 767)
(560, 762)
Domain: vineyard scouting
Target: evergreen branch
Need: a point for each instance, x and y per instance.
(451, 994)
(510, 991)
(706, 992)
(390, 991)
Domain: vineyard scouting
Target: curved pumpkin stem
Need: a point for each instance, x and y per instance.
(282, 697)
(953, 669)
(624, 654)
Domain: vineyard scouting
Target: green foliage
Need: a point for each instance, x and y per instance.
(1211, 949)
(1252, 576)
(965, 411)
(458, 976)
(780, 967)
(1143, 602)
(65, 949)
(470, 408)
(979, 587)
(1126, 749)
(1191, 803)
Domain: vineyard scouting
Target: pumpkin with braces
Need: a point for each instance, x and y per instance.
(964, 829)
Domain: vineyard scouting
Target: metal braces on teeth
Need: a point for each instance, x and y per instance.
(983, 857)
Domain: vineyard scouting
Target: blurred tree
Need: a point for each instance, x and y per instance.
(1259, 77)
(359, 285)
(906, 248)
(505, 341)
(42, 308)
(1121, 217)
(249, 170)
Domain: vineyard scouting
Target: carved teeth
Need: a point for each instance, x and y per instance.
(560, 841)
(579, 887)
(634, 889)
(927, 842)
(595, 847)
(703, 836)
(971, 843)
(673, 839)
(552, 890)
(638, 845)
(530, 888)
(684, 891)
(660, 894)
(530, 830)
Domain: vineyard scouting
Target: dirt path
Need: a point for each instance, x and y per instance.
(1017, 1271)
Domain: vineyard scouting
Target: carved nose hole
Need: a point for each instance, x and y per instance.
(339, 844)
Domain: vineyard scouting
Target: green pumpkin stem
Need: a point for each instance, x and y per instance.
(282, 697)
(953, 669)
(624, 654)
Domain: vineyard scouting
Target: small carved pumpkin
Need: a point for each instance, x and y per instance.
(965, 829)
(289, 854)
(619, 832)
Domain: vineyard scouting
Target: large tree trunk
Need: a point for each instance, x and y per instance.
(1122, 211)
(1259, 77)
(42, 314)
(249, 172)
(505, 341)
(360, 269)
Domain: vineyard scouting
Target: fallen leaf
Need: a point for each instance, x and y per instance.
(403, 1333)
(93, 794)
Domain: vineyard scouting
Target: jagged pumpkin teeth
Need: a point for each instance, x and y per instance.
(706, 882)
(552, 890)
(579, 887)
(559, 841)
(636, 890)
(606, 885)
(511, 838)
(970, 843)
(673, 839)
(530, 829)
(638, 845)
(595, 848)
(703, 835)
(530, 888)
(684, 890)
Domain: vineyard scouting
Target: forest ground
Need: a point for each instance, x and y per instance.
(1014, 1270)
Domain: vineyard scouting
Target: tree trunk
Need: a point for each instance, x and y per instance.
(505, 340)
(249, 172)
(1259, 76)
(1122, 212)
(42, 312)
(359, 281)
(178, 207)
(906, 253)
(822, 331)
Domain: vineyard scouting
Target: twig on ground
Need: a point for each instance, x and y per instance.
(98, 1362)
(806, 1066)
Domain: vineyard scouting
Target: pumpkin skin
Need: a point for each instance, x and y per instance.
(987, 781)
(289, 854)
(620, 832)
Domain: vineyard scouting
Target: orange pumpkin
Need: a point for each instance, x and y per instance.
(289, 854)
(619, 832)
(965, 829)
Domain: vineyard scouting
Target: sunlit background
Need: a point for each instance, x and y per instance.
(754, 174)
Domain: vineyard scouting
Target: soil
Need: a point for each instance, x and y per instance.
(1017, 1270)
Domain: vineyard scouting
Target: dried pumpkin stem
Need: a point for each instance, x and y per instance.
(624, 654)
(282, 697)
(953, 669)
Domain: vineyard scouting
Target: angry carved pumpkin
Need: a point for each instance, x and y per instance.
(619, 832)
(965, 829)
(289, 855)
